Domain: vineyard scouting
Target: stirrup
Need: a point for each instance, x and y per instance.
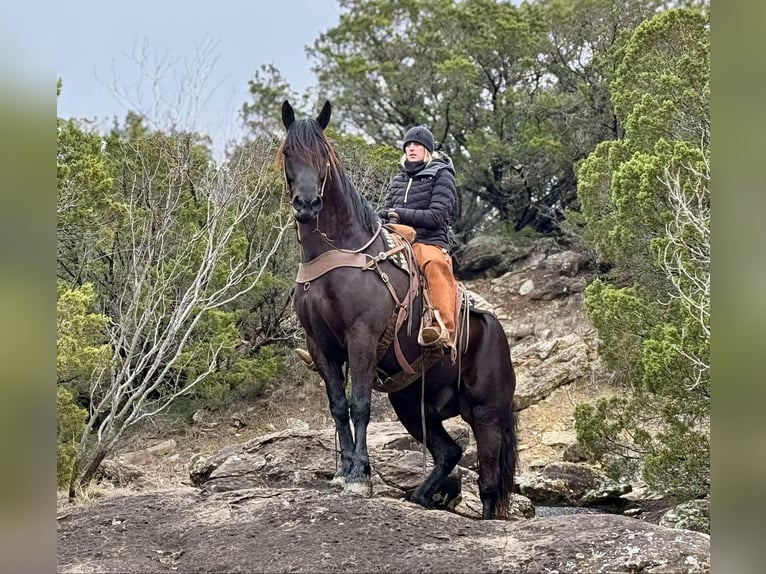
(305, 358)
(434, 334)
(430, 336)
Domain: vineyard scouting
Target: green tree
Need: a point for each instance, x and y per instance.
(262, 116)
(70, 424)
(86, 208)
(81, 356)
(645, 199)
(514, 94)
(370, 167)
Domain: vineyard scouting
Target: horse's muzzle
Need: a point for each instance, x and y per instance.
(303, 210)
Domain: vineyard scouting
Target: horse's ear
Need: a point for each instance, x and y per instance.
(324, 116)
(288, 115)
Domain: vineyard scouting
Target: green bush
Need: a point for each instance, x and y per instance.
(645, 205)
(238, 372)
(70, 423)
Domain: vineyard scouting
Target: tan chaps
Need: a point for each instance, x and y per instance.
(436, 264)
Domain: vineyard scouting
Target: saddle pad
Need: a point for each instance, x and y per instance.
(478, 303)
(398, 258)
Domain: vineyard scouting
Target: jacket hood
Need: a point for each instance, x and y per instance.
(439, 162)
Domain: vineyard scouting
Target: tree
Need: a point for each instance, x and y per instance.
(370, 167)
(646, 199)
(173, 253)
(80, 352)
(262, 116)
(515, 94)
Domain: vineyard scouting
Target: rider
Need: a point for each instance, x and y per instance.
(423, 195)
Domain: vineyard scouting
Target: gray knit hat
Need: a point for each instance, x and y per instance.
(421, 135)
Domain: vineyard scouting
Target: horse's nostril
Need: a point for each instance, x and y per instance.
(297, 202)
(316, 202)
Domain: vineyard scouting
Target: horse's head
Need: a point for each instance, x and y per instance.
(307, 157)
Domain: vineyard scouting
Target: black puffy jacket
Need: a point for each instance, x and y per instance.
(424, 200)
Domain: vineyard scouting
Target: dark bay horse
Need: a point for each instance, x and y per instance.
(345, 311)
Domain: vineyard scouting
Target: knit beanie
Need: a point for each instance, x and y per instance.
(421, 135)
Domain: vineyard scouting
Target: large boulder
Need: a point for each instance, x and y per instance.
(301, 529)
(570, 483)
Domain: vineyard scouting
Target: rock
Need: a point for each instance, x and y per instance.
(570, 483)
(200, 416)
(294, 423)
(689, 515)
(144, 456)
(544, 366)
(559, 438)
(487, 253)
(306, 530)
(527, 287)
(238, 420)
(574, 452)
(119, 473)
(239, 465)
(567, 263)
(310, 453)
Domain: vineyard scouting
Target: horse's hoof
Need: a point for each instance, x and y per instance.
(362, 488)
(338, 480)
(420, 501)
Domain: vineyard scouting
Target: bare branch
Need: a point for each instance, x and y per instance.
(175, 273)
(686, 254)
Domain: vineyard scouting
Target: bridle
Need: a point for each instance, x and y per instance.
(316, 229)
(320, 194)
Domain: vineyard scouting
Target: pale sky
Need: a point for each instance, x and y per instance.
(100, 41)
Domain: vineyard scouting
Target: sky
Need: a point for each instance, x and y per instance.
(151, 55)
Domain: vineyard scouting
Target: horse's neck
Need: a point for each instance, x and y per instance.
(336, 227)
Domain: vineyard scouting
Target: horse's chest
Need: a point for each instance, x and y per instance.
(316, 303)
(342, 299)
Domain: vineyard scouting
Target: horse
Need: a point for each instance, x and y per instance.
(344, 312)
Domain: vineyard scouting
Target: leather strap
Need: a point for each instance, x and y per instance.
(328, 261)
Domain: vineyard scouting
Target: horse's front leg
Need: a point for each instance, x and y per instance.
(332, 374)
(362, 370)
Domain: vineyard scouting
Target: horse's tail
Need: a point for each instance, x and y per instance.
(506, 467)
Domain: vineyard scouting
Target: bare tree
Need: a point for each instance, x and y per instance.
(173, 272)
(686, 254)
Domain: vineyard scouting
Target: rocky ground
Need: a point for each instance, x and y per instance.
(161, 522)
(319, 530)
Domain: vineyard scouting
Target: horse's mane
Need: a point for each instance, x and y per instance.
(306, 141)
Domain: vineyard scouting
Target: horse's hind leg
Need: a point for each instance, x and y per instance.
(488, 441)
(445, 451)
(495, 434)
